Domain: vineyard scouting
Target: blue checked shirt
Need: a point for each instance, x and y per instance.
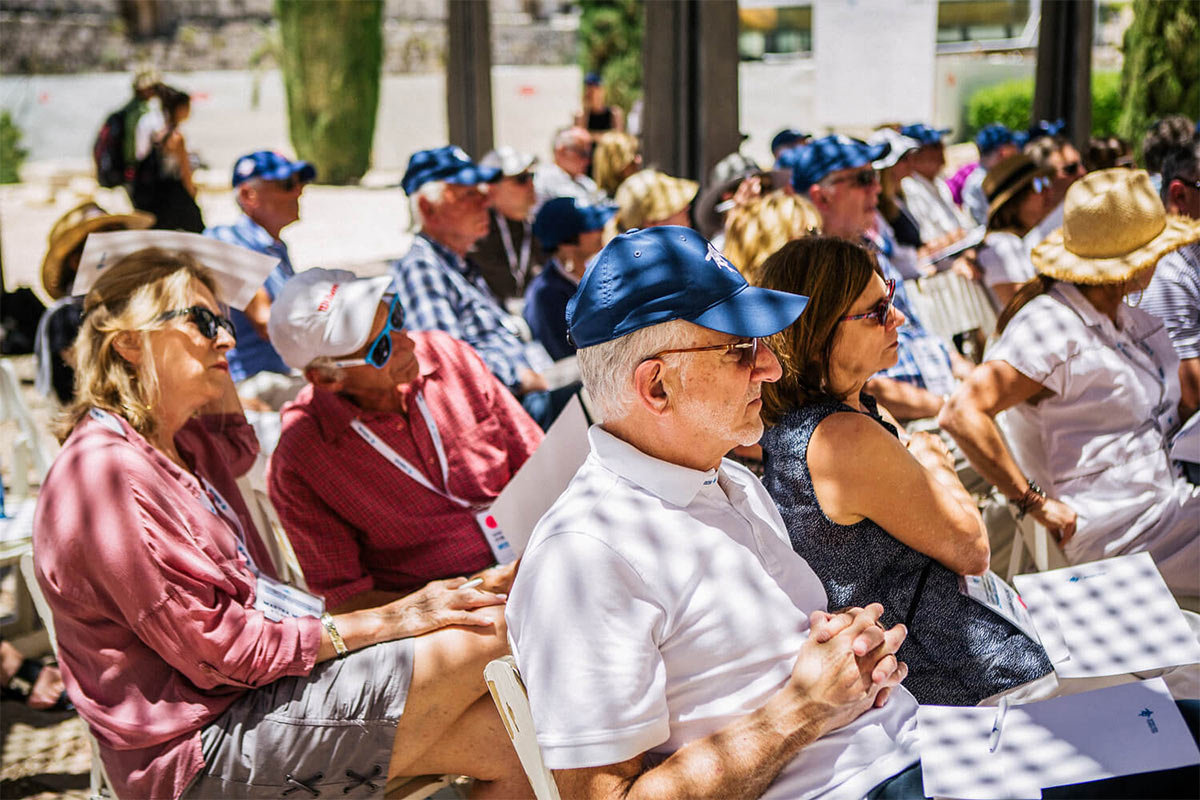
(253, 353)
(912, 335)
(441, 290)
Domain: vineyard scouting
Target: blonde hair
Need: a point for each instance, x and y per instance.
(128, 298)
(757, 229)
(615, 151)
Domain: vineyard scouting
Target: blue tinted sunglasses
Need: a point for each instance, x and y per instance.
(380, 349)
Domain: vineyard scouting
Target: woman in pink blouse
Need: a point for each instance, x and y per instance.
(199, 674)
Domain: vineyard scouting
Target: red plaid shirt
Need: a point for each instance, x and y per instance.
(356, 521)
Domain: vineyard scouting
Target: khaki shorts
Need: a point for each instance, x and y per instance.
(330, 731)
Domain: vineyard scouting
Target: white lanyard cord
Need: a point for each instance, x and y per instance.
(402, 464)
(221, 508)
(518, 267)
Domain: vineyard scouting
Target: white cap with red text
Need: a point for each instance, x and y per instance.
(324, 312)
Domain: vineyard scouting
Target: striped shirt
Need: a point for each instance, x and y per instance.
(1174, 297)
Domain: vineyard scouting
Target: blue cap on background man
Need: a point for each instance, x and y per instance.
(828, 154)
(450, 164)
(270, 166)
(564, 218)
(991, 137)
(646, 277)
(787, 138)
(924, 134)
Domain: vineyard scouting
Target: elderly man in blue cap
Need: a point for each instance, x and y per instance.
(267, 187)
(441, 288)
(570, 231)
(836, 173)
(996, 143)
(928, 197)
(663, 580)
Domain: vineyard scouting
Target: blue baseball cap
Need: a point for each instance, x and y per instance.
(991, 137)
(450, 164)
(270, 166)
(788, 137)
(923, 133)
(812, 162)
(646, 277)
(564, 218)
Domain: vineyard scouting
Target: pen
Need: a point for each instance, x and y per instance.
(471, 584)
(998, 725)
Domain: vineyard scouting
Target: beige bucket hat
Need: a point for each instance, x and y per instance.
(650, 196)
(1114, 226)
(69, 233)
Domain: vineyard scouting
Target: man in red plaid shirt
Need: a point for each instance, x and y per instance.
(389, 459)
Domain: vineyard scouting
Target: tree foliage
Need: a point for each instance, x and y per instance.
(1010, 103)
(332, 58)
(12, 154)
(1161, 74)
(610, 37)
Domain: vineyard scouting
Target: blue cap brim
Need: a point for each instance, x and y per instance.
(471, 175)
(753, 312)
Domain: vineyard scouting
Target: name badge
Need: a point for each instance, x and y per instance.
(278, 601)
(990, 590)
(502, 551)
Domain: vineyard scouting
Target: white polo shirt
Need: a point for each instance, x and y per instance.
(656, 603)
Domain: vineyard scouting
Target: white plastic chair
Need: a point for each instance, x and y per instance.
(508, 693)
(27, 447)
(100, 786)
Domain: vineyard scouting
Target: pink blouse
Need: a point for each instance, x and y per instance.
(153, 605)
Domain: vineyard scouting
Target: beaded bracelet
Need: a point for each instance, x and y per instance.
(1033, 497)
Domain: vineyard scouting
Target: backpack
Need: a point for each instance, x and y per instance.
(108, 152)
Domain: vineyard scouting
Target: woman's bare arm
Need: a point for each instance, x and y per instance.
(859, 470)
(969, 416)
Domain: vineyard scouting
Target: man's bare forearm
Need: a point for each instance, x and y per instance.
(905, 401)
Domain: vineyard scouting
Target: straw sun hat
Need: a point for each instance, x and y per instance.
(1114, 226)
(68, 234)
(651, 196)
(1006, 179)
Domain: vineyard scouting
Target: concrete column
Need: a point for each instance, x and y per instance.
(1063, 87)
(469, 75)
(690, 67)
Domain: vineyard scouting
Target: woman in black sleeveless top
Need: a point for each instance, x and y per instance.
(878, 520)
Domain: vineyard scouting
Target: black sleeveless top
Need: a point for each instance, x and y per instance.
(600, 120)
(958, 652)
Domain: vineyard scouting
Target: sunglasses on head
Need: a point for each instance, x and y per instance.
(880, 312)
(205, 321)
(746, 351)
(380, 349)
(864, 178)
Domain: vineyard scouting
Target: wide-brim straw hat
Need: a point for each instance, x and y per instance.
(1114, 226)
(651, 196)
(1008, 178)
(70, 231)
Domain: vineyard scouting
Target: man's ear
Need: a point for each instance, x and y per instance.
(323, 379)
(1176, 196)
(128, 345)
(816, 193)
(650, 387)
(425, 206)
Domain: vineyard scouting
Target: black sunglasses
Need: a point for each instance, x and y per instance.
(523, 178)
(864, 178)
(205, 321)
(880, 312)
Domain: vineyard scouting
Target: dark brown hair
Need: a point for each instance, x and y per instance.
(1032, 288)
(832, 273)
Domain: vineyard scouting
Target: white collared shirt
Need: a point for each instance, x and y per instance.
(656, 603)
(1099, 442)
(932, 207)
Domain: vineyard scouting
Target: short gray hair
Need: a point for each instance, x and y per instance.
(431, 191)
(607, 368)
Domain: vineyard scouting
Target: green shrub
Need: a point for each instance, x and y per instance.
(1010, 102)
(12, 155)
(1161, 73)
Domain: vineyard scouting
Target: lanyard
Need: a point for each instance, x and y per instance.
(212, 500)
(402, 464)
(518, 267)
